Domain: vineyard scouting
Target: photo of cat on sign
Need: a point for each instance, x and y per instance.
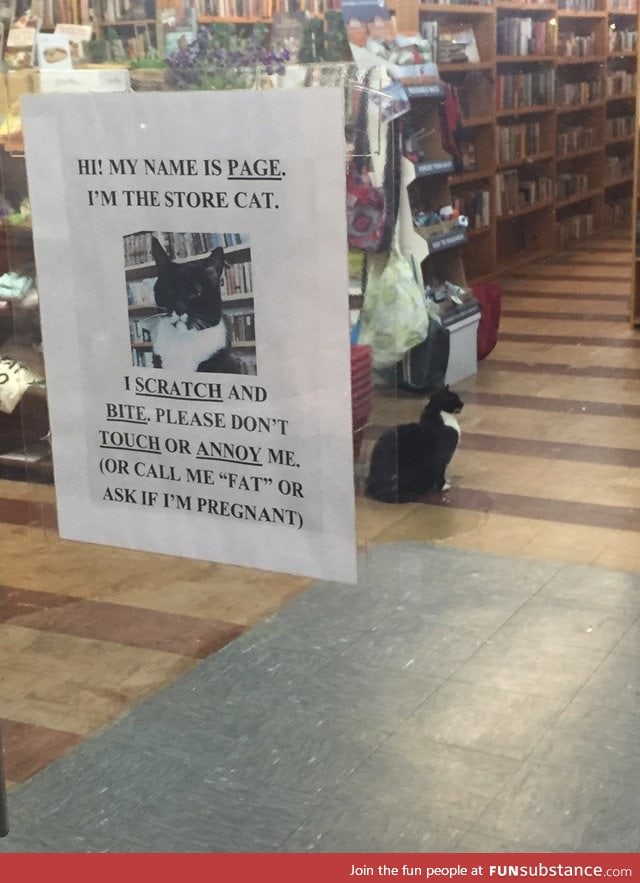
(190, 302)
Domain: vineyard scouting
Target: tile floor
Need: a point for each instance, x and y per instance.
(452, 701)
(478, 690)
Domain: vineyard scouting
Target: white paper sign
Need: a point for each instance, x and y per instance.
(192, 270)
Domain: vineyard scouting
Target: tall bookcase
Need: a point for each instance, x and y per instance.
(548, 100)
(138, 24)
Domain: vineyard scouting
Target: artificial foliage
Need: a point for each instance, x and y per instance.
(224, 57)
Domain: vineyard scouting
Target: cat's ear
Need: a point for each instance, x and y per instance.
(217, 261)
(160, 256)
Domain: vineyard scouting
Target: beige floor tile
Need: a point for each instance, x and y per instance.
(374, 519)
(244, 598)
(569, 542)
(622, 553)
(532, 304)
(564, 285)
(578, 354)
(24, 490)
(498, 534)
(619, 270)
(424, 523)
(553, 386)
(614, 432)
(551, 480)
(579, 328)
(76, 684)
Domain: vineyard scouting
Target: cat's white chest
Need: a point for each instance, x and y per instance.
(450, 420)
(182, 348)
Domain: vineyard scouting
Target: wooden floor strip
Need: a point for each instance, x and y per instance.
(548, 274)
(595, 371)
(29, 748)
(15, 602)
(130, 626)
(563, 406)
(572, 295)
(553, 450)
(548, 450)
(608, 316)
(539, 508)
(25, 512)
(614, 342)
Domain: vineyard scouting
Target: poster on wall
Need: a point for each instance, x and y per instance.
(192, 271)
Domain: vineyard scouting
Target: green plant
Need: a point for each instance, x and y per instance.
(223, 57)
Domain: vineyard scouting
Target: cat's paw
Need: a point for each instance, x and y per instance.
(446, 486)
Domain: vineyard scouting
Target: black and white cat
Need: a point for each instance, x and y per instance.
(190, 334)
(411, 459)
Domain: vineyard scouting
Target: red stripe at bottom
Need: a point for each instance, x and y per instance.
(328, 868)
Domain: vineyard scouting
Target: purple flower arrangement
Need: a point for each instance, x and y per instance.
(222, 57)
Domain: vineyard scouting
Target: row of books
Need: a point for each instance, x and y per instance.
(577, 5)
(577, 94)
(571, 184)
(620, 83)
(241, 326)
(238, 280)
(525, 36)
(513, 193)
(139, 331)
(141, 358)
(574, 228)
(261, 8)
(623, 5)
(571, 45)
(125, 10)
(234, 8)
(623, 41)
(619, 127)
(179, 246)
(619, 210)
(463, 2)
(524, 89)
(618, 166)
(52, 12)
(475, 205)
(518, 141)
(576, 138)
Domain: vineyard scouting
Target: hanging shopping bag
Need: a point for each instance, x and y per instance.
(394, 315)
(365, 209)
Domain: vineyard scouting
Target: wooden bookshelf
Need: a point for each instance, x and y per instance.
(577, 86)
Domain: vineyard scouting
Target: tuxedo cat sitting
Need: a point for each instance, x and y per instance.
(411, 459)
(190, 334)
